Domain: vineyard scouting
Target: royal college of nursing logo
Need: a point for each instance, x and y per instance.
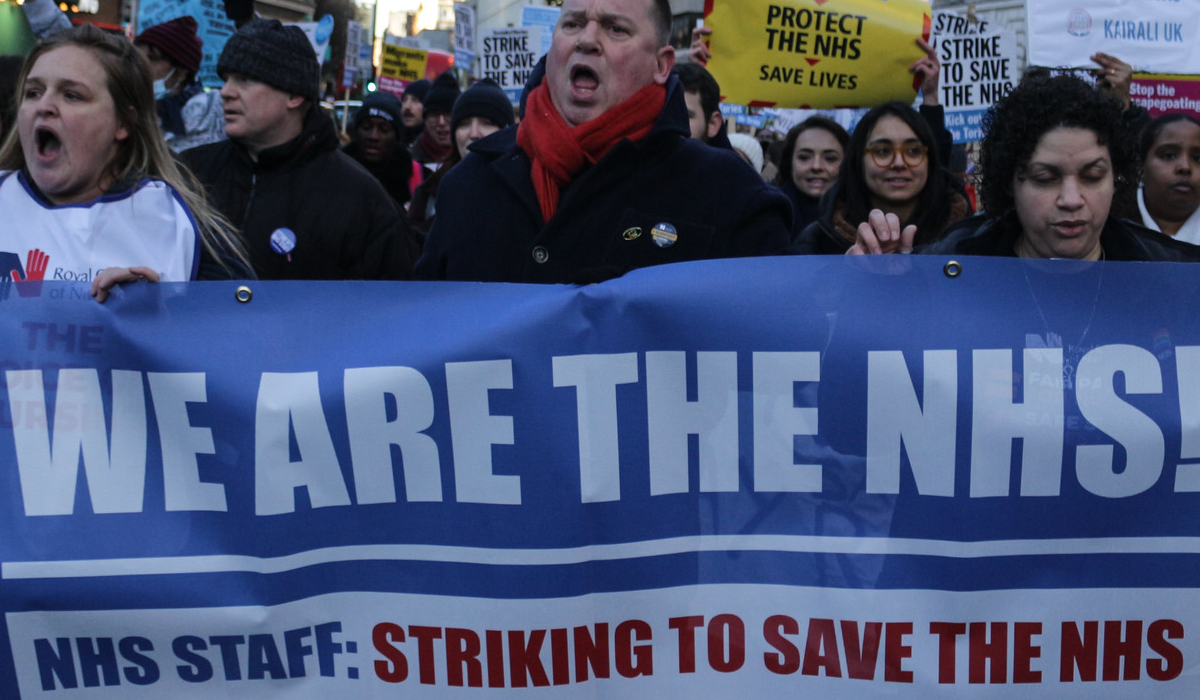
(1079, 22)
(28, 276)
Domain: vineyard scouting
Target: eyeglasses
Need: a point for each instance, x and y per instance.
(913, 154)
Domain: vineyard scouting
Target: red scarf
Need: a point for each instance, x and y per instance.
(560, 152)
(428, 143)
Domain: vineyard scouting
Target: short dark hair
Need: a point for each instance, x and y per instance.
(932, 209)
(1040, 103)
(660, 12)
(1154, 129)
(784, 163)
(697, 79)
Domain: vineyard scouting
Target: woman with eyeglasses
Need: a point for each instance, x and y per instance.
(892, 172)
(1053, 159)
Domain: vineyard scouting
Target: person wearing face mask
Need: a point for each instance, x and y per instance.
(480, 111)
(190, 114)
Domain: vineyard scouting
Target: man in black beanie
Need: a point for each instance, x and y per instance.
(375, 144)
(412, 110)
(434, 145)
(305, 209)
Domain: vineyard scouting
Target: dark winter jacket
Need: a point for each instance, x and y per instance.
(489, 226)
(393, 172)
(1120, 239)
(345, 224)
(805, 209)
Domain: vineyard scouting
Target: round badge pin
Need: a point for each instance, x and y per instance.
(283, 241)
(664, 235)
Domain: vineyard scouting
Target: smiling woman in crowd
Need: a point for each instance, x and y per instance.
(892, 168)
(87, 185)
(1052, 160)
(808, 166)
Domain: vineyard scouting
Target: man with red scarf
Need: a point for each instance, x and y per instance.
(600, 177)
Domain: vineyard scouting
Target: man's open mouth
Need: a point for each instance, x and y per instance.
(584, 78)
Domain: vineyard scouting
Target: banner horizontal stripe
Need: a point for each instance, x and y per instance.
(578, 555)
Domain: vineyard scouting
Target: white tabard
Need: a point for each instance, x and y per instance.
(147, 225)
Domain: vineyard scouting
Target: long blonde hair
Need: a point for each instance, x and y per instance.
(144, 153)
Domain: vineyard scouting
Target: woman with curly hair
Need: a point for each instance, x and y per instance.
(1052, 160)
(893, 169)
(87, 185)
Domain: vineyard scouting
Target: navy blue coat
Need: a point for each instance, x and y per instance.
(489, 226)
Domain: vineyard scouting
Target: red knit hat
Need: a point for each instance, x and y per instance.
(177, 39)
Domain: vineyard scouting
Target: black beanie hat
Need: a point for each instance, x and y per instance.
(483, 99)
(384, 105)
(270, 52)
(418, 89)
(442, 93)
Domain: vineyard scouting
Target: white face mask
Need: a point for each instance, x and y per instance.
(160, 86)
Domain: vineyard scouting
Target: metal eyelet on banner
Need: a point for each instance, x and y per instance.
(244, 294)
(953, 268)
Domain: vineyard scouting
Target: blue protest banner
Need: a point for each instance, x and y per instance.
(818, 476)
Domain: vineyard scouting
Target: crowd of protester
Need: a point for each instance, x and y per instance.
(617, 157)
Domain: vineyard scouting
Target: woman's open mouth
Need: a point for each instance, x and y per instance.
(48, 143)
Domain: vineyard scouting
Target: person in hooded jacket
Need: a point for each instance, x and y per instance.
(305, 209)
(601, 176)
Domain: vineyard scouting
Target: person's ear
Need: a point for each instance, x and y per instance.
(715, 120)
(122, 132)
(665, 61)
(295, 101)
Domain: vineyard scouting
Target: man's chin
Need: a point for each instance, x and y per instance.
(577, 113)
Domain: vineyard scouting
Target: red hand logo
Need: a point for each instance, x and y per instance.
(35, 267)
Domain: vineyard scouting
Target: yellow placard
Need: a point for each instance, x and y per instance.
(403, 63)
(817, 54)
